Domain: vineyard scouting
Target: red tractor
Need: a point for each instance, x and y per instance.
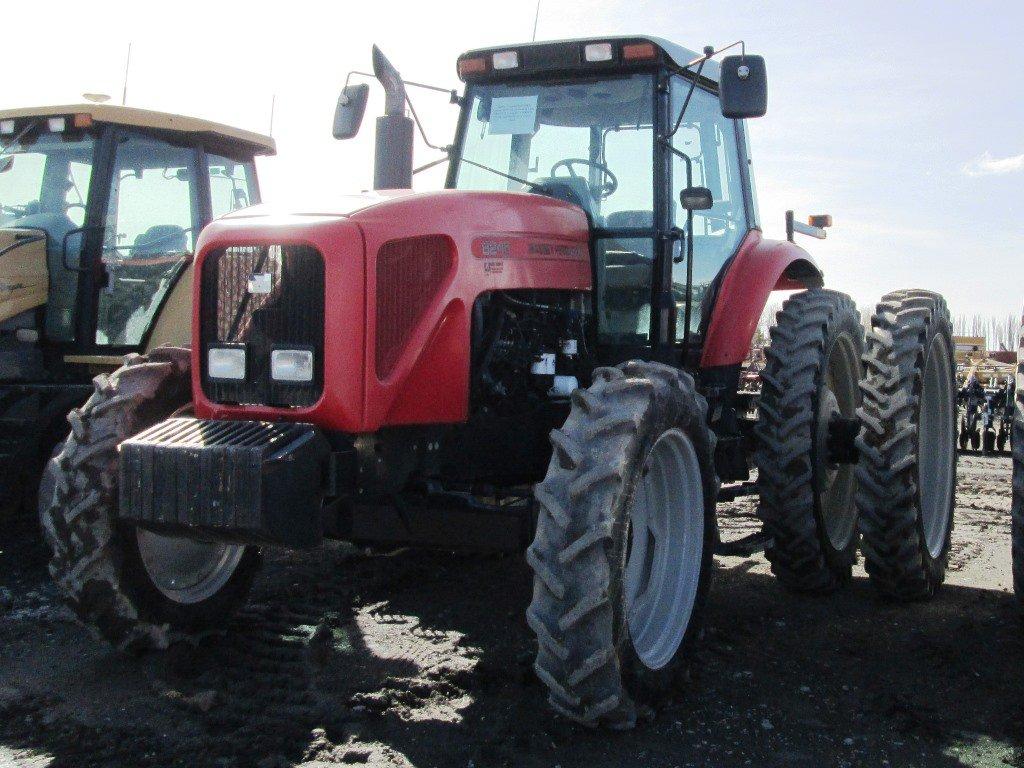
(544, 355)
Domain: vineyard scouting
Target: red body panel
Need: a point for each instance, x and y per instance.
(502, 240)
(759, 267)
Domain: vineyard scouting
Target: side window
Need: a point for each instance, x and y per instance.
(151, 226)
(709, 141)
(232, 184)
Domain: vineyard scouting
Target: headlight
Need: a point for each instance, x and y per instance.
(291, 365)
(226, 363)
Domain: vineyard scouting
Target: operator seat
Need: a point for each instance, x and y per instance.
(629, 220)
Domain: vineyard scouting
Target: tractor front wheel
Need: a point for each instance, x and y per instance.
(131, 586)
(625, 536)
(907, 470)
(810, 392)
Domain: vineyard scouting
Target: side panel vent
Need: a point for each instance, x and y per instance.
(410, 273)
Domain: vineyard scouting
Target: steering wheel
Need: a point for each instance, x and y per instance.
(601, 191)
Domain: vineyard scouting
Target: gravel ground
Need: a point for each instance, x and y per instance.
(423, 659)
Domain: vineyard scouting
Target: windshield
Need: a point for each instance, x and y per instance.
(47, 183)
(593, 140)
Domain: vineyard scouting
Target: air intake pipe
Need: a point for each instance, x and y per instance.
(392, 161)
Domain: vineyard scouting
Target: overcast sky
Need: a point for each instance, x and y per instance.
(905, 121)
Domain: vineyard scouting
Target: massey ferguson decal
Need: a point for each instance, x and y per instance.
(527, 248)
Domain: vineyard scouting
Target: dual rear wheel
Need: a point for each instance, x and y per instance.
(626, 513)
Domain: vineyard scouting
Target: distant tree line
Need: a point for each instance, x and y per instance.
(1000, 332)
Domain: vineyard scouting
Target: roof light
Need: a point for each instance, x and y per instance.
(57, 124)
(505, 60)
(475, 66)
(82, 120)
(598, 52)
(6, 127)
(639, 51)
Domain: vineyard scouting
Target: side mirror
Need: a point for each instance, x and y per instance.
(743, 86)
(696, 199)
(6, 164)
(348, 115)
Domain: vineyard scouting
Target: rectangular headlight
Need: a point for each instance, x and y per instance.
(598, 52)
(57, 124)
(6, 127)
(226, 363)
(291, 365)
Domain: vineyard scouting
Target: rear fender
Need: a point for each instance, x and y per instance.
(758, 268)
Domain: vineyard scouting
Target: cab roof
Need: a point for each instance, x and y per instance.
(147, 118)
(671, 53)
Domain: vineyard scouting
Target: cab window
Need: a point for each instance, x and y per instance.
(232, 184)
(709, 141)
(150, 229)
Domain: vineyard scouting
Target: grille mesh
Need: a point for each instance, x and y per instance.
(410, 273)
(289, 314)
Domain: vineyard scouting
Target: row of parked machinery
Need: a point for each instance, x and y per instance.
(986, 415)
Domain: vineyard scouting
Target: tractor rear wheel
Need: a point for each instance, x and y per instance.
(907, 470)
(975, 440)
(810, 387)
(625, 536)
(131, 586)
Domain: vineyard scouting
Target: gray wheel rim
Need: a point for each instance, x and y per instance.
(936, 434)
(666, 546)
(835, 482)
(187, 570)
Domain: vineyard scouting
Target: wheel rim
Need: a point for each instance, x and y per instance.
(666, 547)
(835, 482)
(187, 570)
(935, 436)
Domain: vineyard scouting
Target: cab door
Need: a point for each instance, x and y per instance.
(154, 211)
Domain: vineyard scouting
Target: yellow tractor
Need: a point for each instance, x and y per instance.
(100, 207)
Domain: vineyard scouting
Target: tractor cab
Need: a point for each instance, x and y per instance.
(601, 123)
(100, 207)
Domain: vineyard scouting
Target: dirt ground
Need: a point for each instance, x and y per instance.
(423, 659)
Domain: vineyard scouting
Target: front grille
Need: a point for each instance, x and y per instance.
(410, 272)
(286, 309)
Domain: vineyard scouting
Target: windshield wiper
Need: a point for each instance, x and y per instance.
(532, 185)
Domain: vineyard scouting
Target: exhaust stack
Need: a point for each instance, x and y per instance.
(392, 162)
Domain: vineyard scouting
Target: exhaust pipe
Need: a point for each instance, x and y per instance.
(392, 161)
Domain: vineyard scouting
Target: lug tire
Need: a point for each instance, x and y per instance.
(1017, 504)
(988, 442)
(586, 657)
(812, 326)
(963, 439)
(975, 440)
(95, 560)
(910, 348)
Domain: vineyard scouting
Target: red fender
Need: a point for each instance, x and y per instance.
(758, 268)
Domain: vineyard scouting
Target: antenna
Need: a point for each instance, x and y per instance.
(127, 64)
(536, 18)
(273, 101)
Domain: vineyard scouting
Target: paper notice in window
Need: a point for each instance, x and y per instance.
(513, 114)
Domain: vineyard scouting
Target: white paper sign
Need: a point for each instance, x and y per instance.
(513, 114)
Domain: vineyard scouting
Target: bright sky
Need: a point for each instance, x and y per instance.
(905, 121)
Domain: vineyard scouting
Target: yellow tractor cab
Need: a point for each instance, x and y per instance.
(100, 207)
